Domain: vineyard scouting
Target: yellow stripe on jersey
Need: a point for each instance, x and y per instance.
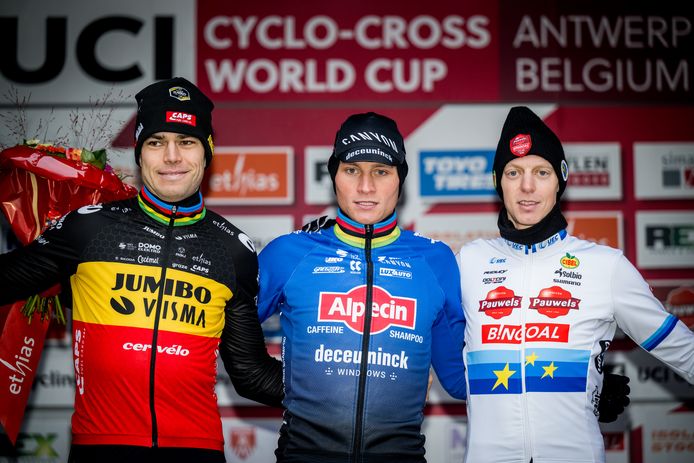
(122, 294)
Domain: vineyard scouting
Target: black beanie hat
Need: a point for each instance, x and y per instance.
(174, 105)
(525, 133)
(369, 137)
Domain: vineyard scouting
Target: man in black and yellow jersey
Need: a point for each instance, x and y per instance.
(159, 285)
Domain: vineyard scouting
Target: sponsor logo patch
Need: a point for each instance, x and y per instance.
(349, 308)
(554, 302)
(500, 302)
(396, 273)
(520, 144)
(533, 332)
(180, 118)
(569, 261)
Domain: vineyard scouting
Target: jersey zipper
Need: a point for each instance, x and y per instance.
(155, 330)
(359, 425)
(528, 263)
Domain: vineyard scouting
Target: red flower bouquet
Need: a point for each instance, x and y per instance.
(41, 183)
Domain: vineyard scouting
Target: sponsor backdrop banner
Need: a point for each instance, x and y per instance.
(664, 170)
(615, 81)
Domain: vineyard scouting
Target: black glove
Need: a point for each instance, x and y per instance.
(318, 224)
(614, 397)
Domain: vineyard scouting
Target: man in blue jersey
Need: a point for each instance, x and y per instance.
(365, 309)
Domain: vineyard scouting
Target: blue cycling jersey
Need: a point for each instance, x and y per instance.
(356, 378)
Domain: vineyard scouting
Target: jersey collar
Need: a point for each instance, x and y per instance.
(536, 247)
(354, 233)
(188, 211)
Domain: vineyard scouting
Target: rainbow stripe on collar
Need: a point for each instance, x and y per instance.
(354, 233)
(162, 212)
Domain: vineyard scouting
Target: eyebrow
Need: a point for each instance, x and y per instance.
(160, 136)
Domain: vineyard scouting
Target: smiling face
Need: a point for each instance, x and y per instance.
(172, 165)
(530, 188)
(367, 191)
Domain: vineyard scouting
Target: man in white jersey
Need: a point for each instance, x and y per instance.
(541, 308)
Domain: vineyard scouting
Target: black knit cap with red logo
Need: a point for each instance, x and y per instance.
(369, 137)
(524, 133)
(174, 105)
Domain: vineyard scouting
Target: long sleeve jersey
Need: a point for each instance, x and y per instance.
(364, 311)
(539, 321)
(154, 288)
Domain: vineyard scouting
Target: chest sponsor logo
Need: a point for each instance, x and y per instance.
(493, 280)
(354, 266)
(500, 302)
(181, 302)
(175, 349)
(554, 302)
(532, 332)
(126, 246)
(569, 261)
(328, 269)
(350, 308)
(149, 247)
(497, 260)
(153, 231)
(567, 277)
(333, 260)
(394, 261)
(396, 273)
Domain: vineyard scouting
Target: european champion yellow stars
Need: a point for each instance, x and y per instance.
(549, 370)
(530, 359)
(502, 376)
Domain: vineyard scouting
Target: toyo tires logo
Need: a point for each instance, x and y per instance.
(350, 308)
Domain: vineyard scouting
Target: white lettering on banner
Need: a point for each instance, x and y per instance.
(556, 74)
(600, 75)
(369, 32)
(452, 173)
(20, 365)
(243, 181)
(290, 75)
(630, 31)
(320, 32)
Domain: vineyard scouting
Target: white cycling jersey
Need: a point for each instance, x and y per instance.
(539, 320)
